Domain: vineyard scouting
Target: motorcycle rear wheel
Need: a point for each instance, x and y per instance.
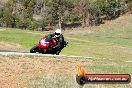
(57, 52)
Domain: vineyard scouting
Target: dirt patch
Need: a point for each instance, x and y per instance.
(10, 46)
(15, 71)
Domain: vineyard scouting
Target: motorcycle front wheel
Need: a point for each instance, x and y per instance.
(34, 49)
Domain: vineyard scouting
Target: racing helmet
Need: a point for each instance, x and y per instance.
(57, 32)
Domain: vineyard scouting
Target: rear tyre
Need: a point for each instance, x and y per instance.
(57, 52)
(34, 49)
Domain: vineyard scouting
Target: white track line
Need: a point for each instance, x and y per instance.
(46, 55)
(35, 54)
(129, 61)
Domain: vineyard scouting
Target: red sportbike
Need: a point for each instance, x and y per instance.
(45, 46)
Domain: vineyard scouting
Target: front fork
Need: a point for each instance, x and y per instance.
(40, 50)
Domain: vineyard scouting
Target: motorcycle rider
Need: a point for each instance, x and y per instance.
(57, 35)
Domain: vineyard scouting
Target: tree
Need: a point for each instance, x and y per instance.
(1, 13)
(8, 14)
(130, 6)
(88, 12)
(111, 8)
(26, 13)
(57, 9)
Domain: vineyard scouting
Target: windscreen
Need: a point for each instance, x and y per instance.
(48, 38)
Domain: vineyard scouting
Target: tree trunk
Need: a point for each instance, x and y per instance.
(88, 20)
(83, 22)
(13, 23)
(60, 21)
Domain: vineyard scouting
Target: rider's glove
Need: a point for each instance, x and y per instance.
(54, 47)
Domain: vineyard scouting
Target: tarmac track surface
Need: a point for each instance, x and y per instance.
(10, 52)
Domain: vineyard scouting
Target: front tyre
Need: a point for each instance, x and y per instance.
(34, 49)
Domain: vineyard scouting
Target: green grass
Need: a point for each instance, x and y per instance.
(111, 69)
(101, 47)
(21, 37)
(113, 36)
(98, 50)
(112, 42)
(50, 82)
